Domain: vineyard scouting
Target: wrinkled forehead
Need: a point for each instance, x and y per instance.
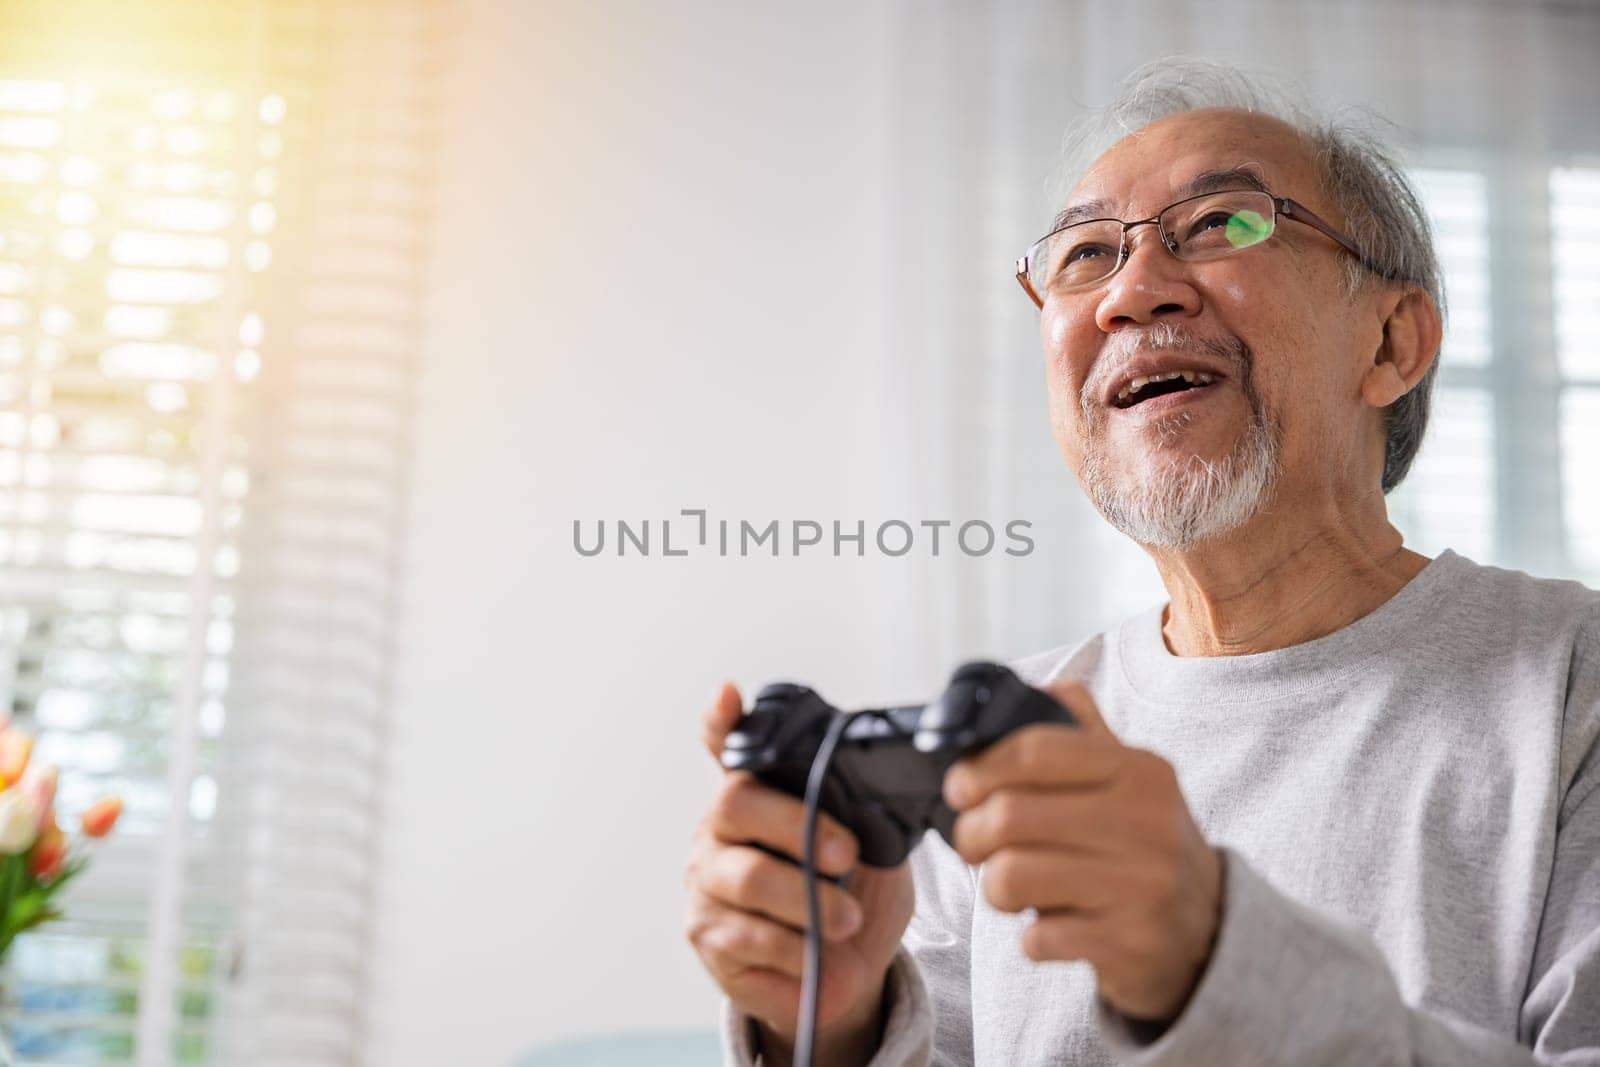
(1158, 163)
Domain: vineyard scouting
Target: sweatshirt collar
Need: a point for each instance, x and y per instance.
(1402, 621)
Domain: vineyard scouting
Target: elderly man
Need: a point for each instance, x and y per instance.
(1333, 803)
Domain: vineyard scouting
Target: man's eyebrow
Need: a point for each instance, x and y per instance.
(1207, 181)
(1211, 181)
(1089, 209)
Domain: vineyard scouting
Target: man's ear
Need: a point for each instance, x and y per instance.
(1412, 331)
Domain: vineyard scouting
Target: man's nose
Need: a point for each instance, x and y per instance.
(1151, 283)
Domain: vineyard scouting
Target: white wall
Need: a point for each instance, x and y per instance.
(661, 249)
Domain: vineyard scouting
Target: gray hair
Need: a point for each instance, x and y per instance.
(1383, 214)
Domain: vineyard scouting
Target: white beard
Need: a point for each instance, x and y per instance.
(1179, 503)
(1175, 503)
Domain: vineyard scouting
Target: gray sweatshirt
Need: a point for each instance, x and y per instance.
(1408, 812)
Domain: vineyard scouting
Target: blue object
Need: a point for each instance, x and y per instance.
(693, 1048)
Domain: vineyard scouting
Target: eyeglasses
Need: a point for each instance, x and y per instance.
(1209, 226)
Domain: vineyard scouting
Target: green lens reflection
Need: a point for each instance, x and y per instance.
(1247, 228)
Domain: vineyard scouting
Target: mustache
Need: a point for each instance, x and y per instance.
(1121, 348)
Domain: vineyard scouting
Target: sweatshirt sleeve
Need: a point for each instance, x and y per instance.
(1561, 1014)
(929, 981)
(1288, 984)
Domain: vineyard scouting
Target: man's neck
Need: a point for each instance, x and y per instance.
(1259, 590)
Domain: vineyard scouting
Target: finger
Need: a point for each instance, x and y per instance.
(1081, 821)
(1065, 935)
(774, 997)
(740, 939)
(1015, 879)
(720, 718)
(751, 880)
(1044, 755)
(768, 995)
(748, 812)
(1076, 698)
(761, 992)
(843, 881)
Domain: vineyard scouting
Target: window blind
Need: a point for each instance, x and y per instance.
(1575, 269)
(1466, 482)
(1448, 499)
(211, 244)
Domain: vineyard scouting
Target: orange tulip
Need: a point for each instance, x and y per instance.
(39, 786)
(15, 748)
(49, 853)
(101, 816)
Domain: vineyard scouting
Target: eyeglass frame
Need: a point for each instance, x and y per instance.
(1289, 209)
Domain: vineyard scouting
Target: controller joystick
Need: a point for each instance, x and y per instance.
(885, 783)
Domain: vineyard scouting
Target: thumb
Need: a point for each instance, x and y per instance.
(720, 718)
(1074, 696)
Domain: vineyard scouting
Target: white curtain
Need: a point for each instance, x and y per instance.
(1494, 106)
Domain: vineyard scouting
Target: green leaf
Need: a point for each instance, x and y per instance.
(44, 915)
(24, 900)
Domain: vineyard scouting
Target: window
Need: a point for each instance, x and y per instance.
(209, 264)
(1482, 483)
(1447, 501)
(1575, 209)
(133, 233)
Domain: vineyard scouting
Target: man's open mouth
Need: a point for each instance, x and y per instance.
(1142, 389)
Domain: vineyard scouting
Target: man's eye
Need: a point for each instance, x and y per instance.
(1086, 251)
(1210, 220)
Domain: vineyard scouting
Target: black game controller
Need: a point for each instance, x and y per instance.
(885, 783)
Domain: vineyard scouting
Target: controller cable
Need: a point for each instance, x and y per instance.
(806, 1035)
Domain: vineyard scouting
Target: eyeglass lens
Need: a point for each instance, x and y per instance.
(1204, 227)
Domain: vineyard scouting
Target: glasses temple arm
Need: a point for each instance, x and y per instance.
(1300, 213)
(1027, 286)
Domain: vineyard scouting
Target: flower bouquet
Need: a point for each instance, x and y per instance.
(36, 859)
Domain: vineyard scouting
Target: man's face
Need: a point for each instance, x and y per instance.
(1282, 420)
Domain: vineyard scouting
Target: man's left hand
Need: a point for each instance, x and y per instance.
(1096, 837)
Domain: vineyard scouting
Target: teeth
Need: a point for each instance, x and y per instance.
(1193, 377)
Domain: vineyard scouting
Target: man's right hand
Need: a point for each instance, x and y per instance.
(747, 912)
